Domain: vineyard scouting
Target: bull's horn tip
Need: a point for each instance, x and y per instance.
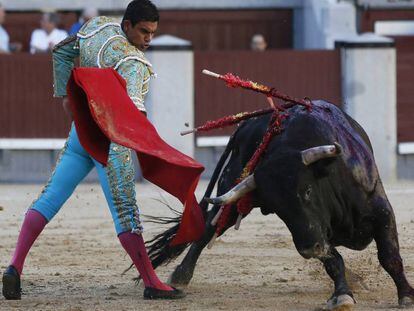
(214, 201)
(338, 147)
(209, 200)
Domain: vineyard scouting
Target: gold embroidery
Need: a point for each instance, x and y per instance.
(121, 173)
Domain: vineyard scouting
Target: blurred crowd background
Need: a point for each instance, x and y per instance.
(29, 31)
(301, 47)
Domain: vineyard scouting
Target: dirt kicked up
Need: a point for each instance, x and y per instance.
(77, 262)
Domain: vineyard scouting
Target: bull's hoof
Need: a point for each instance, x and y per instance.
(406, 301)
(341, 303)
(180, 276)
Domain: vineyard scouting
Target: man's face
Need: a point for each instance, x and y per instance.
(258, 43)
(141, 34)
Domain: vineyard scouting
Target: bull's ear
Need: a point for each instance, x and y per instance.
(314, 154)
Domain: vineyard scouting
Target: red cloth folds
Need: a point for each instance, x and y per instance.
(103, 112)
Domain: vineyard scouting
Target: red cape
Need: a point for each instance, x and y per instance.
(103, 112)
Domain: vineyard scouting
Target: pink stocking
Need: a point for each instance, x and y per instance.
(33, 224)
(135, 247)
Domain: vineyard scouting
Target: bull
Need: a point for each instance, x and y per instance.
(319, 176)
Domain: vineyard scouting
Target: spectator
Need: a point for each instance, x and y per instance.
(4, 37)
(258, 43)
(87, 14)
(5, 45)
(44, 39)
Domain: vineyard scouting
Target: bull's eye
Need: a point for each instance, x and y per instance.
(308, 193)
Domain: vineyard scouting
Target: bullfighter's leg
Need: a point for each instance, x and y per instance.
(386, 237)
(72, 166)
(118, 183)
(335, 268)
(183, 273)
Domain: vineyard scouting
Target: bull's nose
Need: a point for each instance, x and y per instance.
(305, 253)
(317, 248)
(316, 251)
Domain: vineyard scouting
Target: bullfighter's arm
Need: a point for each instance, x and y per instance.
(64, 54)
(136, 75)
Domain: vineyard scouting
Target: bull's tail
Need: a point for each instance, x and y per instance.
(159, 249)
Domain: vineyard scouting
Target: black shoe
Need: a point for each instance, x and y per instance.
(154, 293)
(11, 284)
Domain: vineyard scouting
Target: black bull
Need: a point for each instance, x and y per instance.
(337, 201)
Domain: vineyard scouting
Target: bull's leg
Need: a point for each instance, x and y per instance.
(183, 273)
(335, 267)
(386, 237)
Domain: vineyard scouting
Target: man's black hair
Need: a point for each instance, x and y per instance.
(141, 11)
(52, 18)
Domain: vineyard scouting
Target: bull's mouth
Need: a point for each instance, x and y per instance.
(318, 250)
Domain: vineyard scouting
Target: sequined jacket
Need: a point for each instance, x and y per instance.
(102, 43)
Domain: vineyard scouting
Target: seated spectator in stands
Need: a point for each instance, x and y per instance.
(87, 14)
(4, 37)
(44, 39)
(258, 43)
(5, 45)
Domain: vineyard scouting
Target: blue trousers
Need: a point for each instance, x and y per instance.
(117, 181)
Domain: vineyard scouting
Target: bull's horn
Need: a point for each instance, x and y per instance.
(248, 184)
(314, 154)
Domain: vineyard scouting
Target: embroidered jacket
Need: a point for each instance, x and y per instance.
(102, 43)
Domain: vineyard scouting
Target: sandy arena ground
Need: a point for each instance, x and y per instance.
(76, 263)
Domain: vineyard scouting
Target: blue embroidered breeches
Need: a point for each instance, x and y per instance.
(117, 181)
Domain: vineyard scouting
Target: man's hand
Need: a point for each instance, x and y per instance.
(66, 107)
